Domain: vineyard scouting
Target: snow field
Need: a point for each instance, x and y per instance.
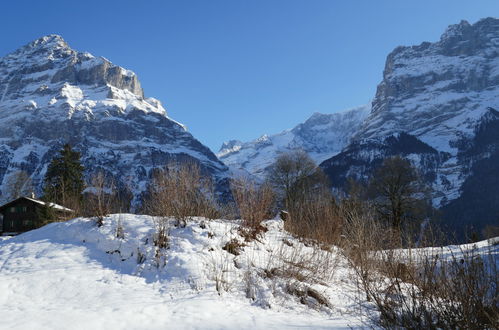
(77, 275)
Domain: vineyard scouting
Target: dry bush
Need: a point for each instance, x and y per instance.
(307, 262)
(305, 192)
(181, 191)
(222, 272)
(162, 231)
(419, 288)
(254, 202)
(314, 215)
(423, 290)
(101, 199)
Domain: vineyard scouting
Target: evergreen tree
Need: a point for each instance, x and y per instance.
(64, 178)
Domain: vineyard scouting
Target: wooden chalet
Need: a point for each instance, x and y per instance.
(25, 213)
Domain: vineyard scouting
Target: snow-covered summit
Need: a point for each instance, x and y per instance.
(322, 136)
(51, 94)
(48, 73)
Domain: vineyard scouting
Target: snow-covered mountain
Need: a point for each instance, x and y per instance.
(51, 94)
(434, 105)
(321, 136)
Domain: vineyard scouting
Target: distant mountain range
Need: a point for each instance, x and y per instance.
(321, 136)
(436, 105)
(51, 94)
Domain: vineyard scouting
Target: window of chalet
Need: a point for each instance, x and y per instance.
(12, 210)
(27, 222)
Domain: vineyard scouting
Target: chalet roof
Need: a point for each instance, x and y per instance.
(52, 205)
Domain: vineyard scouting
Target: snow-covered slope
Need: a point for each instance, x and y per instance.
(51, 94)
(445, 96)
(75, 275)
(321, 136)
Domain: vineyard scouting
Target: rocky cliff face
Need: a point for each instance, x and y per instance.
(321, 136)
(438, 91)
(441, 95)
(51, 94)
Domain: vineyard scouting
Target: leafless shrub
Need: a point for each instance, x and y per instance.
(315, 216)
(221, 272)
(100, 198)
(311, 211)
(312, 264)
(420, 288)
(181, 191)
(162, 231)
(254, 201)
(291, 173)
(459, 291)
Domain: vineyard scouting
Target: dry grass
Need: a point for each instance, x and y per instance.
(415, 288)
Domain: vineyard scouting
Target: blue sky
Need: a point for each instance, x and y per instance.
(236, 69)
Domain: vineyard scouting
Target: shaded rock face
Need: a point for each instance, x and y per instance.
(51, 95)
(321, 136)
(441, 94)
(361, 158)
(478, 204)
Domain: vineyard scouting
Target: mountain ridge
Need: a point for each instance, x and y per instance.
(441, 94)
(51, 94)
(321, 135)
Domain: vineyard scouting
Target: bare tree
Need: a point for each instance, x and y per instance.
(398, 193)
(291, 174)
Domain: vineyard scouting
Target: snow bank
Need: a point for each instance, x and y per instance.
(80, 276)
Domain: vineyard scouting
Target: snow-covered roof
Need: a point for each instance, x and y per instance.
(52, 205)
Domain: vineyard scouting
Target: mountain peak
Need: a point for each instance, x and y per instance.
(50, 39)
(48, 43)
(455, 30)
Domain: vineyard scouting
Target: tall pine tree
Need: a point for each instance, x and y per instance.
(64, 178)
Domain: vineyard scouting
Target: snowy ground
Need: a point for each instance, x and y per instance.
(74, 275)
